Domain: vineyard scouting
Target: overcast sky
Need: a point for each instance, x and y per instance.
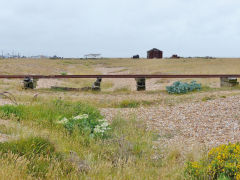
(121, 28)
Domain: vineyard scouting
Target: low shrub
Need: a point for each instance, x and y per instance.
(86, 125)
(223, 162)
(183, 88)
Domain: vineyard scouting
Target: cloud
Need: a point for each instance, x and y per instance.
(121, 28)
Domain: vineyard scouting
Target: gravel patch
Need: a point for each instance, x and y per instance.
(209, 123)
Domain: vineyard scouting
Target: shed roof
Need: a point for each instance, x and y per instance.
(154, 49)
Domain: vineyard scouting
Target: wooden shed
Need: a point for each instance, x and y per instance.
(155, 53)
(175, 56)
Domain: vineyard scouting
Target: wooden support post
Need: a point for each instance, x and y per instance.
(97, 85)
(141, 84)
(229, 81)
(29, 83)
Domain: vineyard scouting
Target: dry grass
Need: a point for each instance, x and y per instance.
(116, 66)
(113, 96)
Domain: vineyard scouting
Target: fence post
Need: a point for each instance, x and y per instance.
(29, 83)
(141, 84)
(228, 81)
(97, 85)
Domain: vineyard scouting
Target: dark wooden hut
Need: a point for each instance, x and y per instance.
(136, 56)
(154, 53)
(175, 56)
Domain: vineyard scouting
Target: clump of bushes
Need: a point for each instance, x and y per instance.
(86, 125)
(222, 162)
(183, 88)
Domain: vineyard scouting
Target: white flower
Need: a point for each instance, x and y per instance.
(102, 120)
(84, 116)
(98, 129)
(104, 126)
(63, 121)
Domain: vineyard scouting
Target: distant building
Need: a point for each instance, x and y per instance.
(136, 57)
(155, 53)
(92, 56)
(175, 56)
(55, 57)
(39, 57)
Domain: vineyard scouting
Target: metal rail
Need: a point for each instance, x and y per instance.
(118, 76)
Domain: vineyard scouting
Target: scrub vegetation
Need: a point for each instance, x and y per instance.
(49, 134)
(121, 150)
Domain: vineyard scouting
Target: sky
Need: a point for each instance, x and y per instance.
(120, 28)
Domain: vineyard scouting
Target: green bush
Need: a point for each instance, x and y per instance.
(86, 125)
(222, 162)
(183, 88)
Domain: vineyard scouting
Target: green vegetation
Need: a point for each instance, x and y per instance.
(86, 125)
(47, 114)
(63, 73)
(222, 162)
(48, 133)
(183, 88)
(40, 155)
(126, 151)
(128, 103)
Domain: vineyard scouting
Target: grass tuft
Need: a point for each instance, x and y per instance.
(38, 153)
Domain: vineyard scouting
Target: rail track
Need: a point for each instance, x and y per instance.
(120, 76)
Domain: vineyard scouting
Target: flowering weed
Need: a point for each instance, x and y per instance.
(222, 162)
(86, 125)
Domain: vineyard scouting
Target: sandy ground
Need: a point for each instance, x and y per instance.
(43, 83)
(209, 123)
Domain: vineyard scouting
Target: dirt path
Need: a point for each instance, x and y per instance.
(211, 123)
